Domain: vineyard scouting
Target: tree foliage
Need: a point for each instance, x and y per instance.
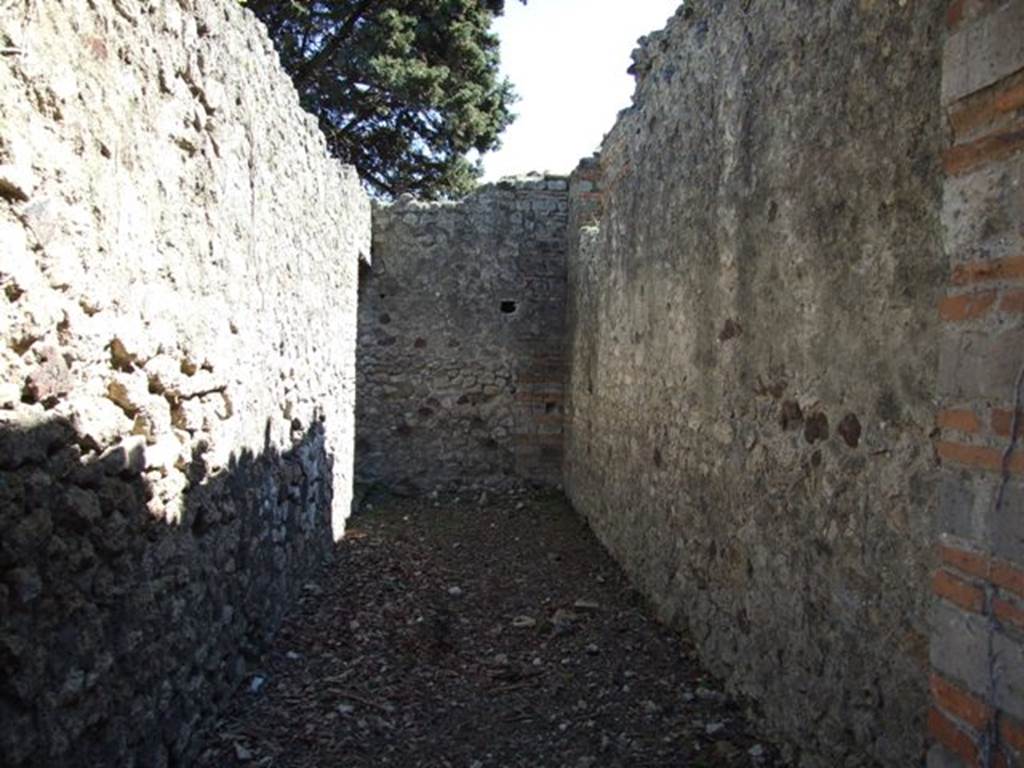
(403, 89)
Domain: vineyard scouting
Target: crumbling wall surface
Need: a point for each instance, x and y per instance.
(461, 330)
(753, 347)
(178, 257)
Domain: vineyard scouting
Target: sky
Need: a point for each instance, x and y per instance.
(567, 60)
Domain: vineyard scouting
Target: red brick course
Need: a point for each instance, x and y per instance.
(966, 306)
(964, 706)
(958, 420)
(1012, 732)
(960, 593)
(1010, 268)
(975, 564)
(1008, 576)
(989, 109)
(979, 457)
(1002, 421)
(948, 734)
(964, 158)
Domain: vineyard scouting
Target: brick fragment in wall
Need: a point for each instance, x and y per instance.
(170, 419)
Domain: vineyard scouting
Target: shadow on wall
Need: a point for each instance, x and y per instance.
(119, 632)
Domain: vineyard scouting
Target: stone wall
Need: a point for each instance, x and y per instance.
(460, 364)
(753, 346)
(977, 642)
(178, 257)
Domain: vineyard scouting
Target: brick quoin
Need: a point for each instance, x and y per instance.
(962, 705)
(948, 734)
(967, 306)
(960, 593)
(988, 129)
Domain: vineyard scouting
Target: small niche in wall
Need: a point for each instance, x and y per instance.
(509, 307)
(550, 406)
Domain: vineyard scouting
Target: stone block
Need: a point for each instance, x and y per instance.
(1007, 524)
(940, 757)
(980, 363)
(1008, 670)
(959, 646)
(956, 514)
(982, 212)
(983, 51)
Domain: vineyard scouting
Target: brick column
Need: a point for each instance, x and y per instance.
(977, 642)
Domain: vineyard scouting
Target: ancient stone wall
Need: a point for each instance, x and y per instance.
(460, 364)
(178, 257)
(977, 642)
(753, 347)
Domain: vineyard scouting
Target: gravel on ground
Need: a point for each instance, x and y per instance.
(474, 633)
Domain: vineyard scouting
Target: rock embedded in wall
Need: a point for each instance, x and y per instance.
(753, 344)
(461, 332)
(175, 445)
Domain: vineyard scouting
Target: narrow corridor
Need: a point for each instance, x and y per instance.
(478, 633)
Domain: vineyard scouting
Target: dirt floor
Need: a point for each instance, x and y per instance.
(474, 634)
